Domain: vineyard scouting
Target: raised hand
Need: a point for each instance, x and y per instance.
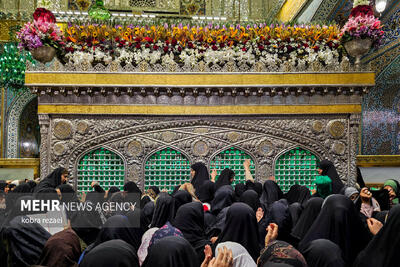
(259, 214)
(272, 234)
(213, 175)
(224, 259)
(374, 225)
(207, 256)
(246, 164)
(365, 194)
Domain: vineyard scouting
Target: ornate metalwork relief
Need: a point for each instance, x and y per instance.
(336, 128)
(317, 127)
(200, 139)
(200, 148)
(62, 129)
(134, 148)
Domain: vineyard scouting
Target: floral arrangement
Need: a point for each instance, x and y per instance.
(41, 32)
(187, 45)
(362, 24)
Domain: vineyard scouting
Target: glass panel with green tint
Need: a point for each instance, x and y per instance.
(103, 166)
(166, 169)
(233, 159)
(297, 166)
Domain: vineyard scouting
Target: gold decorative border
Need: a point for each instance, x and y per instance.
(25, 163)
(291, 9)
(5, 29)
(378, 160)
(199, 79)
(198, 110)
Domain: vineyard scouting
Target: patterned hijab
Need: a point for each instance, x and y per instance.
(146, 238)
(281, 252)
(166, 230)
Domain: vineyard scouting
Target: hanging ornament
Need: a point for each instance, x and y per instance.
(98, 11)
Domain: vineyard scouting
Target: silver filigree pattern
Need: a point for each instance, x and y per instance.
(199, 139)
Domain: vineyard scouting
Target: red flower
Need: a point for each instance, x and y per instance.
(42, 14)
(362, 10)
(316, 48)
(137, 46)
(260, 47)
(222, 45)
(137, 39)
(190, 45)
(147, 46)
(165, 49)
(148, 39)
(155, 47)
(174, 42)
(214, 47)
(179, 49)
(244, 49)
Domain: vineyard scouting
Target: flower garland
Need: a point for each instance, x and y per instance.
(187, 45)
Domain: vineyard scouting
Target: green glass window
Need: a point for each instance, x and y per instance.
(103, 166)
(232, 159)
(297, 166)
(166, 168)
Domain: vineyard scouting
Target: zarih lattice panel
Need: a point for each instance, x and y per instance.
(297, 166)
(232, 159)
(103, 166)
(166, 169)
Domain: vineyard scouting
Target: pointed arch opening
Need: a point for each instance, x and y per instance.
(166, 169)
(296, 166)
(100, 165)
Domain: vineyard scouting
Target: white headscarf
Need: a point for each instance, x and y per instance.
(241, 258)
(142, 251)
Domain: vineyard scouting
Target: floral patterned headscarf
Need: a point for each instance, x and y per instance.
(164, 231)
(281, 252)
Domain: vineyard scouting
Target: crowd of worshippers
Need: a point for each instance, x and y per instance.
(210, 223)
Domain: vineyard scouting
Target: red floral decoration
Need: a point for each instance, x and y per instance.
(363, 10)
(44, 15)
